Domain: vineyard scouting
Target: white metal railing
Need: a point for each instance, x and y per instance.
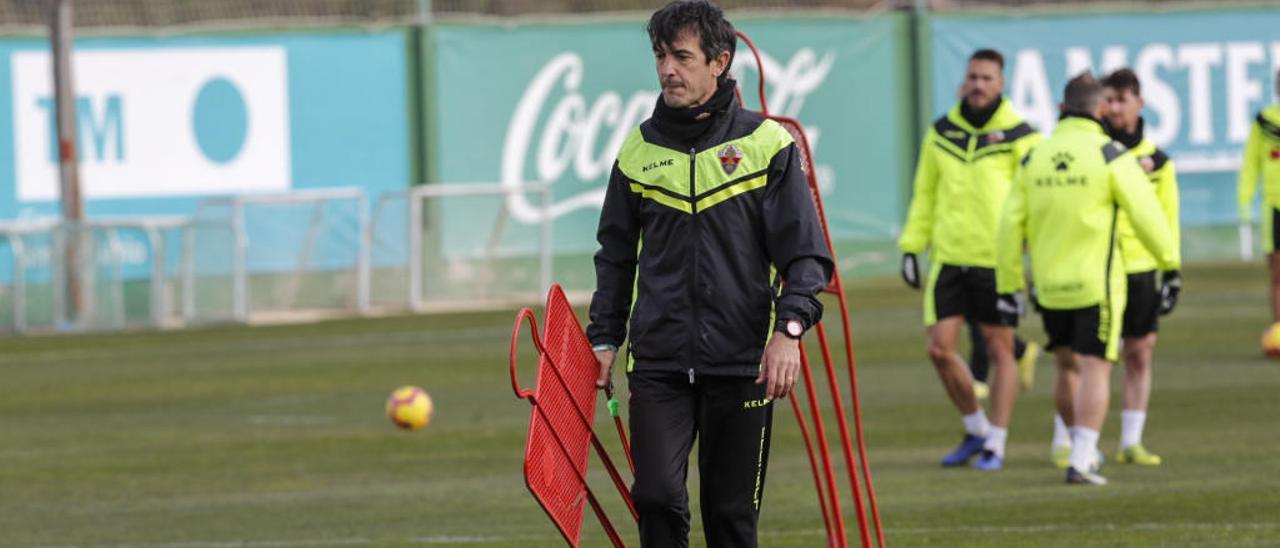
(416, 199)
(235, 223)
(88, 257)
(13, 232)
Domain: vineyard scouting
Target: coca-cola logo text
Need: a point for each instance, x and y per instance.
(573, 130)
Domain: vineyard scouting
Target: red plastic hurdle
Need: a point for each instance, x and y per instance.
(560, 423)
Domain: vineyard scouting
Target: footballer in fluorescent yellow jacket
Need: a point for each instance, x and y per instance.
(967, 162)
(1151, 294)
(1262, 160)
(962, 178)
(1066, 206)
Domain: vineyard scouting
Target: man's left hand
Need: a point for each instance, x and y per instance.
(780, 366)
(1169, 291)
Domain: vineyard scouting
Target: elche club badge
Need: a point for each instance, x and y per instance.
(1148, 163)
(730, 157)
(995, 137)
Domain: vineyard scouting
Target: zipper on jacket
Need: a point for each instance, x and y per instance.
(696, 332)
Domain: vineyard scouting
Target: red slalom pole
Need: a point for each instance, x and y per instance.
(857, 410)
(813, 466)
(828, 471)
(837, 400)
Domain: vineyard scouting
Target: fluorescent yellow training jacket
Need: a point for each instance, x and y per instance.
(1066, 205)
(1261, 157)
(1164, 181)
(962, 178)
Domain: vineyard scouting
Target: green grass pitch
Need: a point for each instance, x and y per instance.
(276, 437)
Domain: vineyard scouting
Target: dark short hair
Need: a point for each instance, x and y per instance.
(987, 54)
(701, 17)
(1083, 94)
(1122, 80)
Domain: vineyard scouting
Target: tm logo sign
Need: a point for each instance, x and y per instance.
(98, 129)
(158, 122)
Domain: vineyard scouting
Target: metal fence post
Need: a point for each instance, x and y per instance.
(363, 256)
(415, 251)
(239, 263)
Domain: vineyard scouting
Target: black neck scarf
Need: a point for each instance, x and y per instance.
(1129, 140)
(980, 117)
(686, 125)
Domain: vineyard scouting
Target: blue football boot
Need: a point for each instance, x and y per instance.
(968, 448)
(989, 461)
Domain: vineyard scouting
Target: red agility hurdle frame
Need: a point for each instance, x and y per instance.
(560, 423)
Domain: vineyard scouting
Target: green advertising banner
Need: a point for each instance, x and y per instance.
(552, 103)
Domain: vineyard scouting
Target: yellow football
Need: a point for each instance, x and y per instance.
(410, 407)
(1271, 342)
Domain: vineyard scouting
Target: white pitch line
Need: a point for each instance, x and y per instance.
(356, 541)
(1045, 528)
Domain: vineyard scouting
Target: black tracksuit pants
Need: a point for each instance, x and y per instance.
(668, 412)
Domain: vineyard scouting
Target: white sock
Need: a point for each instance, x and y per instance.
(1084, 448)
(1131, 423)
(1061, 435)
(976, 423)
(995, 440)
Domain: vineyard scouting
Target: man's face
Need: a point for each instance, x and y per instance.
(1123, 108)
(983, 83)
(687, 79)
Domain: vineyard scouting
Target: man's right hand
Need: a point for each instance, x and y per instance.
(911, 270)
(605, 359)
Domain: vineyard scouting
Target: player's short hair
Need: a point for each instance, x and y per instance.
(988, 54)
(1123, 80)
(700, 17)
(1082, 95)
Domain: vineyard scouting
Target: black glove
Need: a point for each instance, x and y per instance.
(1035, 301)
(1170, 287)
(1010, 307)
(911, 270)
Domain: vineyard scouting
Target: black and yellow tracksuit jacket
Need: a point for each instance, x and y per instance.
(692, 242)
(1262, 160)
(962, 178)
(1164, 180)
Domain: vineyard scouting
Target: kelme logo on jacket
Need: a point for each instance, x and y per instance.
(730, 157)
(1062, 161)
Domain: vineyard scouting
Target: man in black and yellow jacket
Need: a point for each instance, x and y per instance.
(706, 213)
(1065, 208)
(1151, 293)
(1261, 160)
(967, 161)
